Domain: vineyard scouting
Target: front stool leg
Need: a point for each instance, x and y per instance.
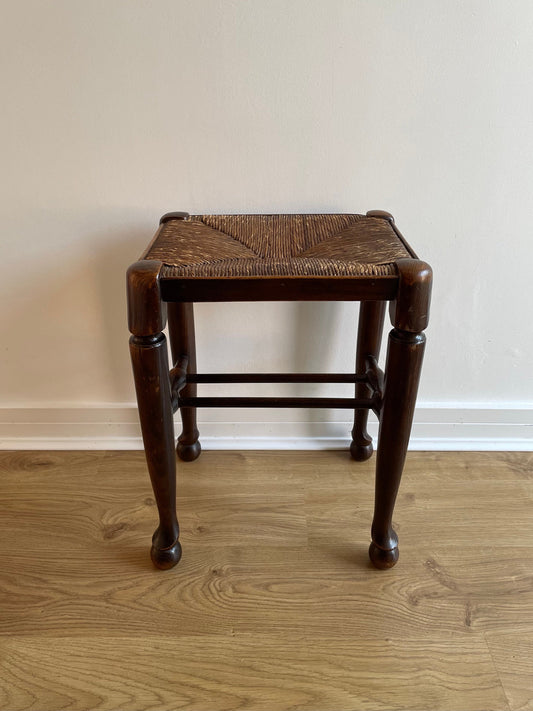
(410, 315)
(369, 331)
(182, 343)
(148, 348)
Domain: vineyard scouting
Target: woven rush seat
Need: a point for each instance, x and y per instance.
(314, 245)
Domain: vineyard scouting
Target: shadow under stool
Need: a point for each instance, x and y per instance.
(316, 257)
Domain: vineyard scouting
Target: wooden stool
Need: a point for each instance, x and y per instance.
(277, 258)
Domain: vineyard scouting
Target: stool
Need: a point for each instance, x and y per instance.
(325, 257)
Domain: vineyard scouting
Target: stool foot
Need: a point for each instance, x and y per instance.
(189, 452)
(361, 451)
(382, 559)
(165, 558)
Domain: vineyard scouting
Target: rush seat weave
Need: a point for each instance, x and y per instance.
(277, 245)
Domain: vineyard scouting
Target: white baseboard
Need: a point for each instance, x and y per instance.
(436, 427)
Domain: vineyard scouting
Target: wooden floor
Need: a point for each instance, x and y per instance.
(274, 604)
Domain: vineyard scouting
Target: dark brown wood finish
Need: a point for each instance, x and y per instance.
(173, 216)
(370, 328)
(346, 403)
(147, 314)
(382, 288)
(402, 372)
(410, 310)
(391, 395)
(148, 348)
(276, 378)
(182, 344)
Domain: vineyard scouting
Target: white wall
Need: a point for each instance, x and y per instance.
(116, 111)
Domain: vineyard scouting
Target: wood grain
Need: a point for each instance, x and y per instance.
(274, 604)
(243, 672)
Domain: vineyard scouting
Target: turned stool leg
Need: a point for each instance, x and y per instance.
(148, 348)
(182, 343)
(370, 328)
(405, 351)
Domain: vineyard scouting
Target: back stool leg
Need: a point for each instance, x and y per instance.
(370, 329)
(182, 343)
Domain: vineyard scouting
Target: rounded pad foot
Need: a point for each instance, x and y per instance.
(188, 452)
(165, 558)
(361, 452)
(383, 559)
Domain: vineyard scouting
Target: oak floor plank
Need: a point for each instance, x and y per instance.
(265, 673)
(513, 657)
(264, 589)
